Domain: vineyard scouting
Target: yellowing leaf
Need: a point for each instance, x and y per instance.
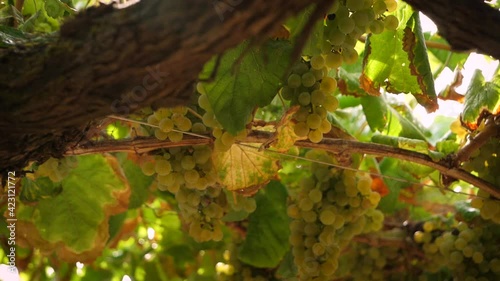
(285, 136)
(244, 166)
(74, 224)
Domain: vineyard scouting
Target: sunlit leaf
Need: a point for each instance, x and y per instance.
(285, 136)
(397, 60)
(243, 167)
(481, 96)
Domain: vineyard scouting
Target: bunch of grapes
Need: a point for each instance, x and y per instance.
(169, 123)
(56, 169)
(223, 139)
(350, 19)
(365, 262)
(331, 208)
(310, 87)
(469, 252)
(188, 173)
(203, 211)
(484, 160)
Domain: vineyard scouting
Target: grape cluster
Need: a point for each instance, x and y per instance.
(56, 169)
(223, 139)
(469, 252)
(348, 20)
(331, 208)
(366, 262)
(485, 160)
(188, 173)
(169, 123)
(310, 87)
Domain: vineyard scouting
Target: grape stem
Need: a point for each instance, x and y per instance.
(145, 145)
(491, 129)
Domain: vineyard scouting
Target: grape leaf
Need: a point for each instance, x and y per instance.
(285, 136)
(74, 224)
(375, 110)
(266, 241)
(139, 183)
(245, 167)
(238, 89)
(481, 96)
(296, 24)
(444, 57)
(397, 60)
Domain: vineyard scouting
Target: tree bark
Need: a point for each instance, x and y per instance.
(468, 25)
(114, 61)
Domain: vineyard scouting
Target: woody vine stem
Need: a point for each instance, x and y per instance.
(145, 145)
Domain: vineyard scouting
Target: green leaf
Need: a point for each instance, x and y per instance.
(139, 183)
(43, 187)
(375, 110)
(267, 235)
(296, 24)
(390, 167)
(238, 89)
(397, 60)
(75, 223)
(398, 125)
(481, 96)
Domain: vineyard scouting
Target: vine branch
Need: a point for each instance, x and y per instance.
(144, 145)
(491, 129)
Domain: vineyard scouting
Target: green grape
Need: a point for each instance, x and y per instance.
(287, 93)
(477, 257)
(294, 81)
(320, 111)
(317, 62)
(364, 186)
(152, 120)
(391, 5)
(391, 22)
(174, 136)
(204, 103)
(315, 136)
(318, 97)
(327, 217)
(200, 88)
(180, 110)
(199, 128)
(202, 155)
(355, 5)
(304, 98)
(191, 176)
(331, 103)
(188, 162)
(306, 204)
(163, 167)
(148, 168)
(227, 139)
(350, 56)
(346, 25)
(183, 123)
(300, 68)
(333, 60)
(325, 127)
(376, 27)
(301, 129)
(308, 79)
(361, 18)
(162, 113)
(220, 146)
(166, 125)
(336, 37)
(209, 120)
(379, 7)
(328, 84)
(315, 195)
(159, 134)
(314, 121)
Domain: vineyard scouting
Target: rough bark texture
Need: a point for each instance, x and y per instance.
(468, 25)
(109, 61)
